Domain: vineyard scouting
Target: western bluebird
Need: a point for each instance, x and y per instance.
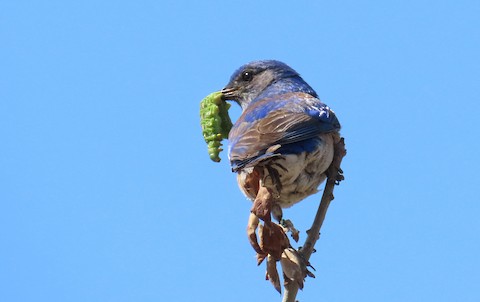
(282, 144)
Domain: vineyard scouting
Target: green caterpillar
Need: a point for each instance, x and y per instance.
(216, 123)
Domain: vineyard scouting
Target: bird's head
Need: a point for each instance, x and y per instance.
(252, 79)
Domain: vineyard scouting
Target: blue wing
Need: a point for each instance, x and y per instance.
(279, 125)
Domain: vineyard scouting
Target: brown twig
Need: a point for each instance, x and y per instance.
(334, 176)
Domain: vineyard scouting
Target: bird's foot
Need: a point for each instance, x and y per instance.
(334, 172)
(287, 224)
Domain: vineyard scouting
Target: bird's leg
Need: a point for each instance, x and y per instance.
(277, 212)
(287, 224)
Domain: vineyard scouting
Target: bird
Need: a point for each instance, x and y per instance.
(281, 146)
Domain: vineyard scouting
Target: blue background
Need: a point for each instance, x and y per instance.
(107, 192)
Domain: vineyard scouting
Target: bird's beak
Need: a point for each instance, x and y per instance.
(228, 93)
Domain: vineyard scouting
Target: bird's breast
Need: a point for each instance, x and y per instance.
(299, 174)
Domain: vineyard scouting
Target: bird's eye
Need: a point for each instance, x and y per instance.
(247, 76)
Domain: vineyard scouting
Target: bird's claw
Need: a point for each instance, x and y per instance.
(287, 224)
(334, 172)
(339, 176)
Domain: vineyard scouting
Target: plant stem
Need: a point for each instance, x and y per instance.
(334, 175)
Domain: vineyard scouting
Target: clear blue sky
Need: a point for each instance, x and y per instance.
(107, 192)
